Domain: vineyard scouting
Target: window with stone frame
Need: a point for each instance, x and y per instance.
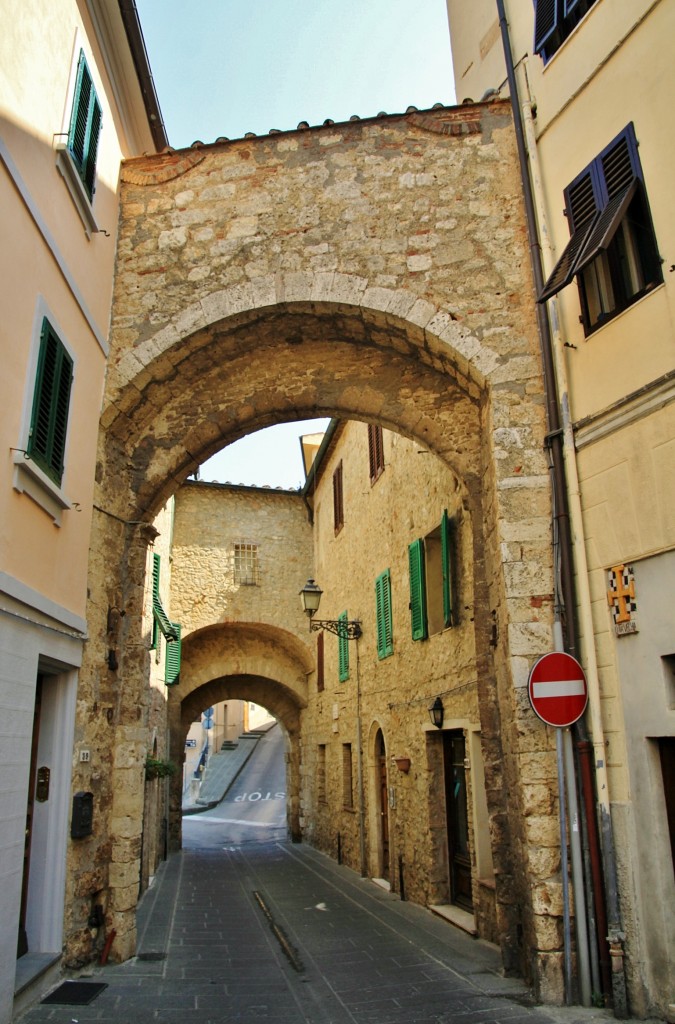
(375, 452)
(246, 564)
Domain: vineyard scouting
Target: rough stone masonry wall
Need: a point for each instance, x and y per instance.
(240, 640)
(373, 269)
(210, 520)
(405, 503)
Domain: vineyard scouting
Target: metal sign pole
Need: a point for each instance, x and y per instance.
(577, 871)
(559, 694)
(567, 950)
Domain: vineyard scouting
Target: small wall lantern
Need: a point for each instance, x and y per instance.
(403, 764)
(436, 712)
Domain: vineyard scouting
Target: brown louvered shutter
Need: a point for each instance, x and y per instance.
(375, 451)
(320, 682)
(338, 505)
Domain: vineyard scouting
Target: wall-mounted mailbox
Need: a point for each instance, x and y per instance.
(42, 785)
(81, 823)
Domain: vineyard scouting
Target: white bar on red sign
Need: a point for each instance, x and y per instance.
(559, 688)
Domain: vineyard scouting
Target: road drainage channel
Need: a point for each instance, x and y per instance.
(278, 932)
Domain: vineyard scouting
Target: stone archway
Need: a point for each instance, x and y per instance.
(373, 272)
(248, 661)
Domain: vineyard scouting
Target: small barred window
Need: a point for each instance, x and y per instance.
(246, 564)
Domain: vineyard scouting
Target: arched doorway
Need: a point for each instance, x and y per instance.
(382, 790)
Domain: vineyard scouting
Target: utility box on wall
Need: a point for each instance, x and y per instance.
(81, 822)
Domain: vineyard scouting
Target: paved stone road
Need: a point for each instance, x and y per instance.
(279, 934)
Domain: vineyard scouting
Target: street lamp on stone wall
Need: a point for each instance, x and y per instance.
(310, 595)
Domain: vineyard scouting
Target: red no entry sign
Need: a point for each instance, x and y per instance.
(558, 690)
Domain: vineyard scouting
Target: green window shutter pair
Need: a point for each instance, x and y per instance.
(51, 402)
(385, 638)
(343, 650)
(85, 126)
(162, 624)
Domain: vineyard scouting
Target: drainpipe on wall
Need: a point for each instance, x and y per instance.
(359, 772)
(566, 488)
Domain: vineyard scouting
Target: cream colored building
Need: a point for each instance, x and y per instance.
(595, 82)
(75, 98)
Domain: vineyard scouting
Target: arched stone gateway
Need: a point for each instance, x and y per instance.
(374, 270)
(245, 661)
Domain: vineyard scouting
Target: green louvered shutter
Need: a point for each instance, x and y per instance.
(343, 650)
(85, 126)
(156, 635)
(162, 620)
(47, 439)
(173, 650)
(446, 558)
(385, 641)
(418, 594)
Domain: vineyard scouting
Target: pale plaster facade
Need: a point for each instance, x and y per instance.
(615, 67)
(56, 264)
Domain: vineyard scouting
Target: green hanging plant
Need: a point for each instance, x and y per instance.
(155, 769)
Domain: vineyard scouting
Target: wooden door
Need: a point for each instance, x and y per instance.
(381, 763)
(459, 859)
(22, 943)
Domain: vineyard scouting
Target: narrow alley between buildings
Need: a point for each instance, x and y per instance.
(242, 925)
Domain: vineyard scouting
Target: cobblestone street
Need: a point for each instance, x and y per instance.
(280, 933)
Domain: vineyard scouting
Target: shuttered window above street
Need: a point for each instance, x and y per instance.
(338, 502)
(85, 127)
(612, 251)
(375, 452)
(51, 404)
(554, 21)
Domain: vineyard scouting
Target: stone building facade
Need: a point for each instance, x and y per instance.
(377, 271)
(375, 788)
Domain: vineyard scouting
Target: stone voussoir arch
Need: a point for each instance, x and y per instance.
(246, 661)
(258, 285)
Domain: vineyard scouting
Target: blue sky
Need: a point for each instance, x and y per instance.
(227, 67)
